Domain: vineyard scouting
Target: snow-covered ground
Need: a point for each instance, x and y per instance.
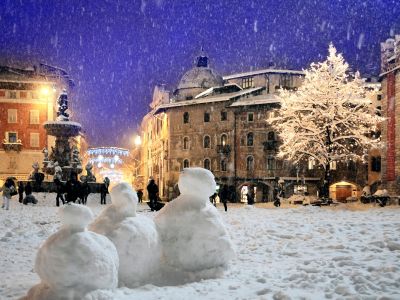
(288, 252)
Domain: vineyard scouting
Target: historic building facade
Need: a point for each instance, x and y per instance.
(390, 79)
(220, 123)
(27, 100)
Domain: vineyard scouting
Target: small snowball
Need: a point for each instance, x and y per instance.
(125, 197)
(124, 201)
(75, 216)
(197, 181)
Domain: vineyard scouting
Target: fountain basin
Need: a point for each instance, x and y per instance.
(62, 128)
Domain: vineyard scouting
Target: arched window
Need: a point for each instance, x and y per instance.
(207, 164)
(207, 141)
(224, 139)
(250, 139)
(185, 117)
(186, 163)
(223, 165)
(250, 163)
(271, 136)
(185, 143)
(206, 117)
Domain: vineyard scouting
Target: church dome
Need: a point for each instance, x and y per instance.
(198, 79)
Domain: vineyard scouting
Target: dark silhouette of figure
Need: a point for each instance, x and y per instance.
(212, 199)
(85, 191)
(140, 195)
(73, 188)
(59, 191)
(29, 198)
(152, 190)
(21, 190)
(104, 190)
(223, 196)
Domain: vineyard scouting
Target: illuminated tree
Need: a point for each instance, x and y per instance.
(329, 118)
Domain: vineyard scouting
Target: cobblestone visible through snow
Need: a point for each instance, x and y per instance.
(308, 252)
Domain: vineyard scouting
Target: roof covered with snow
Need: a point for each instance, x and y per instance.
(258, 72)
(200, 77)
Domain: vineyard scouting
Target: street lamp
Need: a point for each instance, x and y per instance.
(138, 141)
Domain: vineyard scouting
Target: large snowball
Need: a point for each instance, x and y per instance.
(197, 181)
(135, 237)
(195, 241)
(73, 262)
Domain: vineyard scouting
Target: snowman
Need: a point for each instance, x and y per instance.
(196, 244)
(73, 261)
(134, 236)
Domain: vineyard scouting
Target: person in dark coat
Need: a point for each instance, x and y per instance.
(29, 198)
(104, 190)
(152, 190)
(72, 188)
(85, 191)
(59, 191)
(21, 190)
(140, 196)
(223, 196)
(212, 199)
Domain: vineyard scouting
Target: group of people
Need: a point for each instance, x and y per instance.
(9, 189)
(74, 190)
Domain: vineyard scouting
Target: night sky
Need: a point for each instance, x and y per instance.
(116, 51)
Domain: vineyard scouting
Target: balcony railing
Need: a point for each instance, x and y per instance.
(270, 145)
(12, 146)
(224, 149)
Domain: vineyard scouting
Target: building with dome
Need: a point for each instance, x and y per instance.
(220, 123)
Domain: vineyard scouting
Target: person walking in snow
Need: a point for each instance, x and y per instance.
(213, 199)
(21, 191)
(152, 190)
(8, 189)
(223, 196)
(104, 190)
(140, 195)
(85, 191)
(72, 188)
(59, 191)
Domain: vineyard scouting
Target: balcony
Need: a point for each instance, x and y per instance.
(270, 145)
(12, 146)
(224, 149)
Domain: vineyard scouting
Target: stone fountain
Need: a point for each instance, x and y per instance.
(62, 155)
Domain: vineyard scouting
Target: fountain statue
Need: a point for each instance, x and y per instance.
(63, 129)
(89, 176)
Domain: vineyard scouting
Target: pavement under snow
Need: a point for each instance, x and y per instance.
(281, 253)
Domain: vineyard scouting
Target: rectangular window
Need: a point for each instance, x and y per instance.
(376, 164)
(379, 97)
(285, 81)
(247, 82)
(250, 117)
(34, 117)
(332, 165)
(12, 116)
(206, 117)
(11, 137)
(13, 95)
(224, 116)
(34, 139)
(2, 94)
(23, 95)
(271, 163)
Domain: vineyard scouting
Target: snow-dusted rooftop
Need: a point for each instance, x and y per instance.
(258, 72)
(223, 97)
(258, 100)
